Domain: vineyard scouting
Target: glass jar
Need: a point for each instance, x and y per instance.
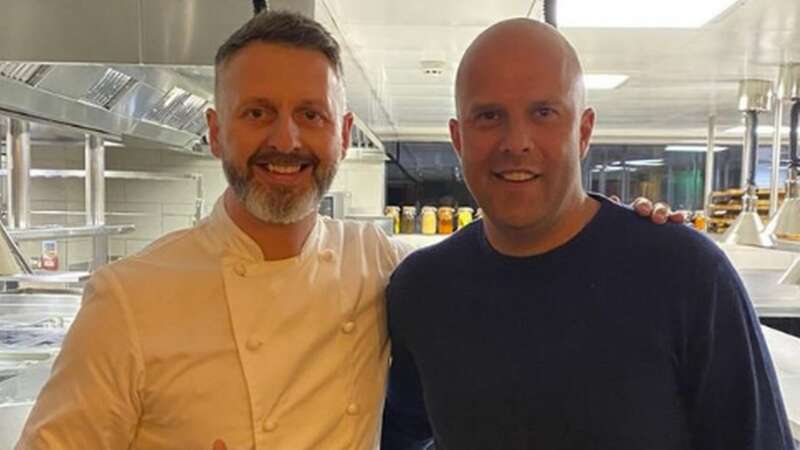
(464, 216)
(699, 221)
(394, 213)
(408, 220)
(445, 220)
(428, 220)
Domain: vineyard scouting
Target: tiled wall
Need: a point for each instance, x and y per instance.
(156, 207)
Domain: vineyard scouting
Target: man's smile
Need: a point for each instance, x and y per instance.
(516, 176)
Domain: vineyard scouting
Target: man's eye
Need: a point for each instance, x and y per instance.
(311, 115)
(255, 113)
(488, 116)
(545, 112)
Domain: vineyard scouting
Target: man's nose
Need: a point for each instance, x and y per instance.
(518, 137)
(284, 134)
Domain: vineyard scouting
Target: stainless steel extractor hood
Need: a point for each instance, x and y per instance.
(148, 105)
(137, 72)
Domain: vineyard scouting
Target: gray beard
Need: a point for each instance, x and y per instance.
(279, 205)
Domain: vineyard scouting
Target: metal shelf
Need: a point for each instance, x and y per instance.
(32, 234)
(129, 175)
(111, 174)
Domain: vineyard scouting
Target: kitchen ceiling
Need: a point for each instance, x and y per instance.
(678, 77)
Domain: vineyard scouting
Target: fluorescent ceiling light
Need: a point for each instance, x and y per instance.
(645, 162)
(640, 162)
(639, 13)
(692, 148)
(609, 169)
(596, 81)
(762, 129)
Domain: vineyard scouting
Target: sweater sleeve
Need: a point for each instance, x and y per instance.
(91, 400)
(733, 397)
(405, 421)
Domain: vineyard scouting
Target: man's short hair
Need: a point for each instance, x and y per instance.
(286, 28)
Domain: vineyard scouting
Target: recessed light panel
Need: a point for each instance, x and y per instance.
(639, 13)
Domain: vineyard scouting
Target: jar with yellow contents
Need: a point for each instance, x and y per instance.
(393, 212)
(464, 216)
(428, 220)
(445, 220)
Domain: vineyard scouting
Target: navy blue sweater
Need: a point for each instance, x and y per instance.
(631, 336)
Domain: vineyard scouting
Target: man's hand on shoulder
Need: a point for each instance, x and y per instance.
(659, 213)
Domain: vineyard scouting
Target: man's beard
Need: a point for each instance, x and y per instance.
(279, 204)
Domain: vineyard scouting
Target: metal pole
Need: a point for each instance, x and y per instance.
(745, 154)
(18, 157)
(752, 127)
(199, 202)
(708, 186)
(603, 175)
(589, 176)
(625, 178)
(95, 180)
(670, 185)
(774, 181)
(95, 195)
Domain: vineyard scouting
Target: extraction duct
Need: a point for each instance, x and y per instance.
(550, 15)
(260, 5)
(755, 96)
(786, 222)
(152, 107)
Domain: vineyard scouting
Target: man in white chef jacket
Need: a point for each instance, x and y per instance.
(265, 324)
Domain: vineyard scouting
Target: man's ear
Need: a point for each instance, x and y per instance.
(455, 136)
(212, 119)
(586, 128)
(347, 126)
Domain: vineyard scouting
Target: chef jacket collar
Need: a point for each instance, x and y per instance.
(237, 243)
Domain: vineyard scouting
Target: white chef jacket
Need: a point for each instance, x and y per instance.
(198, 338)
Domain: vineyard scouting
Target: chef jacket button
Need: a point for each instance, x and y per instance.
(253, 344)
(326, 255)
(270, 425)
(240, 269)
(348, 327)
(353, 409)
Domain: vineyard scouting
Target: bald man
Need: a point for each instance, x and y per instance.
(538, 327)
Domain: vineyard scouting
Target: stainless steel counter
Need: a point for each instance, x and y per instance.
(785, 351)
(769, 298)
(17, 396)
(32, 327)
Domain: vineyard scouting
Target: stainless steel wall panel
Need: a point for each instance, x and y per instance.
(188, 32)
(73, 31)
